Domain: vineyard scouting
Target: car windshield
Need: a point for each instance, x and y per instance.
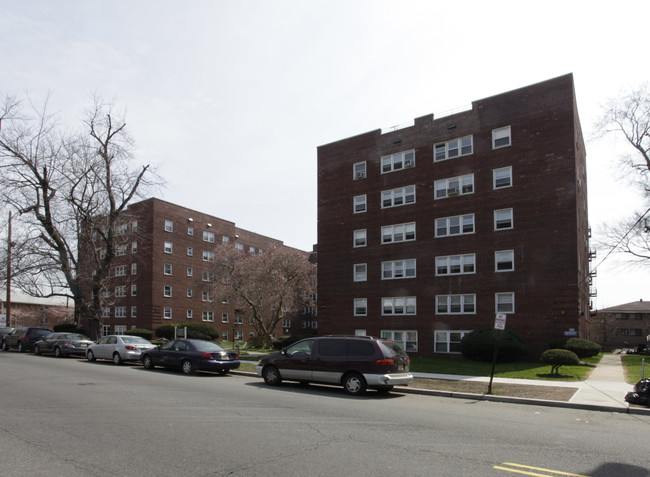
(207, 346)
(134, 340)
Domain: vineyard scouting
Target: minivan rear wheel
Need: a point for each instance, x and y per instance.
(354, 384)
(271, 376)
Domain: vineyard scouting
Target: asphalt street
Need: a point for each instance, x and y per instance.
(73, 418)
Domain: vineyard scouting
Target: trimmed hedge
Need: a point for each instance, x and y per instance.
(479, 345)
(582, 348)
(146, 334)
(559, 357)
(67, 328)
(199, 331)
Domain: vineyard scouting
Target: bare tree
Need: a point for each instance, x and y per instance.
(629, 118)
(70, 190)
(270, 286)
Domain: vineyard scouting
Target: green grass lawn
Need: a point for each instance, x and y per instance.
(521, 370)
(633, 364)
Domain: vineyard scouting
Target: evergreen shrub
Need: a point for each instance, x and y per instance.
(582, 348)
(559, 357)
(479, 345)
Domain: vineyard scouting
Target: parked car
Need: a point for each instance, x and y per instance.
(118, 348)
(23, 338)
(190, 356)
(356, 362)
(5, 330)
(63, 344)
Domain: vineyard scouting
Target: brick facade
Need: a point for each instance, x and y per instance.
(540, 204)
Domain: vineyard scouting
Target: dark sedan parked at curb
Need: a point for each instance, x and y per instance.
(190, 356)
(118, 348)
(63, 344)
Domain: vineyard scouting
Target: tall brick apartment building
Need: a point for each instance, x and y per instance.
(158, 272)
(427, 232)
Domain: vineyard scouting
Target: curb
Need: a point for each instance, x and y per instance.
(507, 399)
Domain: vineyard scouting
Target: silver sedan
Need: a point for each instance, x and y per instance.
(118, 348)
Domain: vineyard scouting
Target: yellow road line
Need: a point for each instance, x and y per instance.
(549, 473)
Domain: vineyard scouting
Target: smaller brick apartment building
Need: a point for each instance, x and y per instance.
(157, 275)
(622, 326)
(425, 233)
(33, 311)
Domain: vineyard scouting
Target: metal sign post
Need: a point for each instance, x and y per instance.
(499, 325)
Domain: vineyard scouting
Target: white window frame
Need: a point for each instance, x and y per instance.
(134, 289)
(399, 306)
(360, 307)
(360, 238)
(190, 251)
(208, 236)
(464, 224)
(398, 161)
(167, 313)
(360, 204)
(504, 257)
(167, 291)
(503, 220)
(120, 291)
(190, 230)
(134, 269)
(503, 136)
(167, 269)
(454, 186)
(399, 269)
(190, 272)
(169, 225)
(120, 250)
(398, 233)
(134, 311)
(189, 293)
(457, 304)
(120, 312)
(407, 339)
(447, 265)
(120, 271)
(499, 176)
(208, 256)
(398, 197)
(168, 247)
(206, 296)
(189, 314)
(447, 334)
(360, 272)
(504, 302)
(457, 147)
(134, 247)
(207, 316)
(359, 171)
(224, 318)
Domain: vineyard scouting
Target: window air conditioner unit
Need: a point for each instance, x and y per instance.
(452, 191)
(360, 175)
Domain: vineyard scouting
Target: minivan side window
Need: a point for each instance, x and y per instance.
(331, 347)
(302, 347)
(360, 348)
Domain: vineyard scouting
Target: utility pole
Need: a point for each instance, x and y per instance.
(9, 245)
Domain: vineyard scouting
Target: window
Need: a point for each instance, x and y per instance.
(448, 341)
(251, 250)
(208, 256)
(167, 313)
(189, 314)
(134, 290)
(122, 229)
(502, 178)
(120, 271)
(504, 261)
(120, 329)
(208, 277)
(397, 197)
(169, 225)
(407, 339)
(208, 236)
(189, 293)
(190, 272)
(208, 316)
(504, 302)
(360, 272)
(120, 312)
(134, 311)
(120, 291)
(456, 147)
(225, 239)
(206, 296)
(456, 264)
(239, 320)
(503, 219)
(359, 171)
(455, 304)
(454, 186)
(106, 312)
(397, 162)
(398, 269)
(501, 137)
(167, 291)
(360, 238)
(401, 305)
(134, 226)
(134, 247)
(134, 269)
(168, 247)
(167, 268)
(398, 233)
(360, 204)
(190, 251)
(458, 225)
(360, 307)
(224, 318)
(190, 230)
(120, 250)
(239, 246)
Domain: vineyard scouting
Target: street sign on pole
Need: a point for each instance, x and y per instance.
(499, 324)
(500, 321)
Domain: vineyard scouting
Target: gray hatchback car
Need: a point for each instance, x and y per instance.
(356, 362)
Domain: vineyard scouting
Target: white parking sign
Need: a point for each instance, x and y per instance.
(500, 322)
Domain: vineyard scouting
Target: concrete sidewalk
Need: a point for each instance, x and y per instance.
(604, 389)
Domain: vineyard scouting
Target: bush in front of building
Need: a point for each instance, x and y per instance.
(67, 328)
(289, 340)
(582, 348)
(479, 345)
(142, 333)
(197, 331)
(559, 357)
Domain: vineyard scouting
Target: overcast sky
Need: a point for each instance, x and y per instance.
(231, 98)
